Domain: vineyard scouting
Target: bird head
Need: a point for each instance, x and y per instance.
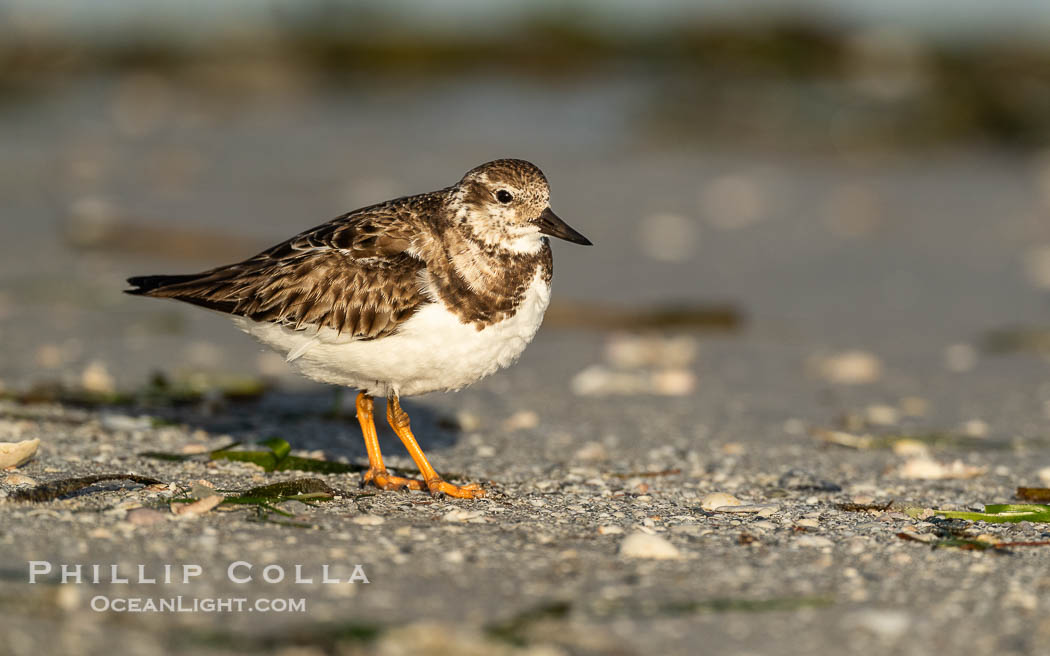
(506, 203)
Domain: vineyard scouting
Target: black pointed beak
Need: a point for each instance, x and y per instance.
(550, 224)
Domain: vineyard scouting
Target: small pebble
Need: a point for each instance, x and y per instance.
(118, 422)
(885, 624)
(522, 420)
(19, 479)
(96, 379)
(645, 545)
(460, 515)
(815, 541)
(960, 358)
(1023, 600)
(975, 428)
(68, 597)
(467, 421)
(882, 415)
(1037, 266)
(144, 516)
(673, 382)
(914, 406)
(592, 451)
(49, 356)
(845, 439)
(455, 556)
(626, 351)
(368, 520)
(599, 380)
(1044, 475)
(849, 368)
(909, 447)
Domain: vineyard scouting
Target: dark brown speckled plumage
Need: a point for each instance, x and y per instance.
(366, 272)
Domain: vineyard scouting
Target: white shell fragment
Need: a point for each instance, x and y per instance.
(641, 364)
(931, 470)
(522, 420)
(882, 415)
(717, 500)
(625, 351)
(644, 545)
(599, 380)
(19, 479)
(849, 368)
(756, 508)
(459, 515)
(15, 454)
(197, 507)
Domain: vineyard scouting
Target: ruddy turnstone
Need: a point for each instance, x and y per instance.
(419, 294)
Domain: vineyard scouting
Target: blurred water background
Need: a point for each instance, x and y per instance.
(829, 175)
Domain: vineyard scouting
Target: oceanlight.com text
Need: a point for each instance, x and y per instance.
(182, 604)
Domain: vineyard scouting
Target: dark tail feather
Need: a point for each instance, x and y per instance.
(146, 285)
(181, 288)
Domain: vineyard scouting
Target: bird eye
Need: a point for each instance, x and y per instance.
(504, 196)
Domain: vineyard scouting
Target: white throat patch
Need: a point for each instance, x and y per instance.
(529, 243)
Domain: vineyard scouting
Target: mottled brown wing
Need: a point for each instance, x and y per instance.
(353, 274)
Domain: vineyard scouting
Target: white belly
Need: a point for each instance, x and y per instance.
(432, 351)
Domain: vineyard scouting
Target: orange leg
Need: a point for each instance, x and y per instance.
(399, 421)
(377, 473)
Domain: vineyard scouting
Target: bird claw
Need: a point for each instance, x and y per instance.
(439, 487)
(382, 479)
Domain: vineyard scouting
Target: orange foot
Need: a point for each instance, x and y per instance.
(400, 422)
(438, 486)
(384, 480)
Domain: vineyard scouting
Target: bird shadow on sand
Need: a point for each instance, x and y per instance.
(313, 420)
